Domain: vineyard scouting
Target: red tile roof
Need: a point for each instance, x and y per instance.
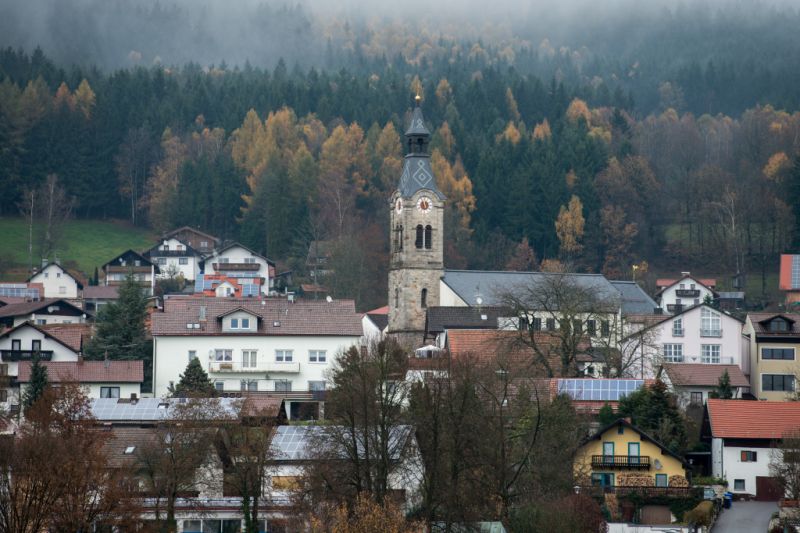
(303, 317)
(663, 283)
(73, 335)
(687, 374)
(746, 419)
(379, 311)
(87, 372)
(102, 292)
(27, 308)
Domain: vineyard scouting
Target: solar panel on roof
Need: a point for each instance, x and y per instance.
(610, 390)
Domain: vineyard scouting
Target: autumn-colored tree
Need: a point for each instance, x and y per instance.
(162, 185)
(510, 134)
(387, 160)
(443, 92)
(417, 89)
(618, 238)
(541, 132)
(523, 259)
(511, 105)
(365, 516)
(570, 226)
(578, 110)
(85, 99)
(63, 98)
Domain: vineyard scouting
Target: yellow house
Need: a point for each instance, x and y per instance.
(622, 455)
(774, 349)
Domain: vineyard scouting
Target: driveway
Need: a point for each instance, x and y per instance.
(745, 517)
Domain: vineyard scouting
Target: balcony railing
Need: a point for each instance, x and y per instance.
(674, 308)
(239, 368)
(649, 492)
(711, 332)
(621, 461)
(687, 293)
(26, 355)
(223, 267)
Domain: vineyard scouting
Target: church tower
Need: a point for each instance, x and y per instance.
(417, 234)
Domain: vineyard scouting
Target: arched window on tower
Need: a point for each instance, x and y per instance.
(423, 299)
(398, 238)
(420, 241)
(401, 238)
(428, 237)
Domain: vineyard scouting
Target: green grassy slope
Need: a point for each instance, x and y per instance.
(84, 245)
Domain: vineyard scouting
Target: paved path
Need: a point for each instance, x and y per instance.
(745, 517)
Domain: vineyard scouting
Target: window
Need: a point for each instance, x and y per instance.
(696, 398)
(36, 345)
(109, 392)
(3, 395)
(778, 353)
(16, 344)
(673, 353)
(662, 480)
(219, 385)
(234, 323)
(749, 456)
(420, 240)
(423, 298)
(677, 327)
(682, 286)
(778, 324)
(245, 323)
(192, 355)
(249, 358)
(620, 429)
(316, 385)
(777, 382)
(223, 355)
(224, 259)
(738, 484)
(161, 260)
(710, 353)
(603, 480)
(428, 237)
(41, 321)
(551, 324)
(317, 356)
(536, 324)
(396, 298)
(591, 327)
(710, 325)
(283, 385)
(283, 356)
(183, 260)
(203, 244)
(605, 329)
(58, 274)
(249, 385)
(577, 326)
(62, 289)
(46, 275)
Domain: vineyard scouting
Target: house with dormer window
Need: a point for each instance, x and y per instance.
(273, 346)
(774, 347)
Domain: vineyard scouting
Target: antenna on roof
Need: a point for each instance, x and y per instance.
(328, 299)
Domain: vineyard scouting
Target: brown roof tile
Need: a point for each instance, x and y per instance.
(31, 307)
(686, 374)
(303, 317)
(763, 330)
(87, 372)
(745, 419)
(73, 335)
(104, 292)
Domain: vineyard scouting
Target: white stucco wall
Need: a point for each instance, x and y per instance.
(171, 355)
(57, 283)
(27, 335)
(173, 264)
(448, 297)
(238, 254)
(726, 462)
(37, 318)
(668, 297)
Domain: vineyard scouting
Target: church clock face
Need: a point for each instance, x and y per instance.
(424, 204)
(398, 205)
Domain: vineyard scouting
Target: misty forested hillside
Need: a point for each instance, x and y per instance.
(665, 135)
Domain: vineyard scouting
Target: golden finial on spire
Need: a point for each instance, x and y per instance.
(418, 99)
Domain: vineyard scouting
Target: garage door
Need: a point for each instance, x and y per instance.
(767, 489)
(656, 515)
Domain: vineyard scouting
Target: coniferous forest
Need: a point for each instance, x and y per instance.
(664, 134)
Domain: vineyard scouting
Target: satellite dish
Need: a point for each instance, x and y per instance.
(479, 300)
(328, 299)
(657, 464)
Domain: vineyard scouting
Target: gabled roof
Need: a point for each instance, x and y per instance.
(67, 341)
(153, 251)
(381, 321)
(87, 371)
(189, 228)
(145, 261)
(73, 335)
(101, 292)
(492, 285)
(746, 419)
(235, 244)
(634, 300)
(760, 322)
(703, 375)
(64, 270)
(440, 318)
(242, 309)
(27, 308)
(644, 436)
(303, 317)
(666, 318)
(665, 283)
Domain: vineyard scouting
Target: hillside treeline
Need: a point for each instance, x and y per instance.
(533, 169)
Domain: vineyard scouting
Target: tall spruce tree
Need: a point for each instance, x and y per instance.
(194, 382)
(724, 389)
(37, 385)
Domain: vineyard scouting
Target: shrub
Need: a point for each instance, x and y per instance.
(701, 515)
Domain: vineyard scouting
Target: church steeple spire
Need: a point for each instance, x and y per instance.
(417, 172)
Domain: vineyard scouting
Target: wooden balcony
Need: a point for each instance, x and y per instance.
(243, 267)
(239, 368)
(674, 308)
(621, 461)
(26, 355)
(687, 293)
(645, 492)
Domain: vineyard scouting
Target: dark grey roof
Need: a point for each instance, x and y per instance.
(634, 300)
(440, 318)
(417, 126)
(417, 175)
(380, 320)
(492, 285)
(299, 443)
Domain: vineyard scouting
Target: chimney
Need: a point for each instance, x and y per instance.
(684, 274)
(80, 358)
(44, 262)
(134, 398)
(658, 311)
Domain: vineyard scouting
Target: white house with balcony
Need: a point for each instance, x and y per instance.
(57, 282)
(675, 295)
(238, 261)
(269, 345)
(174, 258)
(697, 335)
